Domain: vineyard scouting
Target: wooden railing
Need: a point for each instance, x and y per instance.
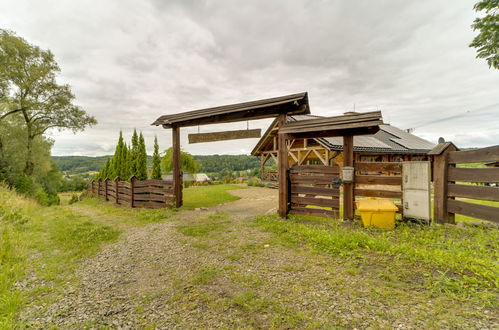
(376, 179)
(270, 176)
(136, 193)
(454, 182)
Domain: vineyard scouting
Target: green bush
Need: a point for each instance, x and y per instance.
(45, 199)
(74, 199)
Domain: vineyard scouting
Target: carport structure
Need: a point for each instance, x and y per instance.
(348, 125)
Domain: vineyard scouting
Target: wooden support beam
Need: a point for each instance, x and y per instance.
(348, 188)
(304, 157)
(225, 135)
(177, 174)
(440, 184)
(282, 157)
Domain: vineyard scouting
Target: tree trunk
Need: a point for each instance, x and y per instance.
(30, 165)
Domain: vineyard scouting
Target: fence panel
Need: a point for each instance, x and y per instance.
(137, 193)
(474, 185)
(379, 179)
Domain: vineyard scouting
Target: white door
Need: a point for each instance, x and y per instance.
(416, 189)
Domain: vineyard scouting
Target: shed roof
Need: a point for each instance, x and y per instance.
(293, 104)
(389, 139)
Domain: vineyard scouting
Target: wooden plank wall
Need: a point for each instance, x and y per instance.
(469, 183)
(136, 193)
(373, 179)
(312, 185)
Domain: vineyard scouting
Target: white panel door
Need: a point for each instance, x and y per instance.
(416, 189)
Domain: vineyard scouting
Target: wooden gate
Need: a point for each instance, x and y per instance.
(312, 190)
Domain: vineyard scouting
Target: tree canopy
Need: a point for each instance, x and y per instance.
(487, 40)
(29, 89)
(187, 162)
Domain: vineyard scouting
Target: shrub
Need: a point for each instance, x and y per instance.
(74, 199)
(45, 199)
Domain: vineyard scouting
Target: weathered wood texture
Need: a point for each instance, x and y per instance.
(146, 193)
(312, 185)
(447, 179)
(283, 163)
(176, 172)
(372, 185)
(225, 135)
(348, 188)
(490, 154)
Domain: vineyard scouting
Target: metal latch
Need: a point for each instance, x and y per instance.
(337, 182)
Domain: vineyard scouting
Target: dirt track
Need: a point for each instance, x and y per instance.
(215, 269)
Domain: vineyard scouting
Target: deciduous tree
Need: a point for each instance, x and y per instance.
(487, 40)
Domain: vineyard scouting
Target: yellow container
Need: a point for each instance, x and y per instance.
(377, 213)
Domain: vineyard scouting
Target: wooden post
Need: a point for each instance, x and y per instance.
(440, 185)
(176, 175)
(116, 184)
(98, 187)
(132, 198)
(105, 189)
(348, 193)
(282, 157)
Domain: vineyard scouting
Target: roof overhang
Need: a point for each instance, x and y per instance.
(350, 124)
(294, 104)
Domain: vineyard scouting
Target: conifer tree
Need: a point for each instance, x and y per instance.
(118, 154)
(134, 152)
(156, 162)
(141, 159)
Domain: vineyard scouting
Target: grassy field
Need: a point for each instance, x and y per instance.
(460, 261)
(205, 196)
(46, 243)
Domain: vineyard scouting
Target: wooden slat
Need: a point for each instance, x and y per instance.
(154, 190)
(378, 166)
(123, 184)
(378, 193)
(312, 179)
(161, 183)
(334, 169)
(124, 197)
(376, 179)
(152, 197)
(476, 192)
(484, 212)
(334, 203)
(151, 205)
(490, 154)
(296, 189)
(474, 174)
(315, 212)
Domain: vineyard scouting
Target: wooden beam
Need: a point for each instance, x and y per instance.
(348, 188)
(304, 157)
(225, 135)
(490, 154)
(282, 157)
(440, 174)
(177, 174)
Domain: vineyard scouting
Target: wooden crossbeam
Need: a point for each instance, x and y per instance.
(225, 135)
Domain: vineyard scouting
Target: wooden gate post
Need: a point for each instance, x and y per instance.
(176, 173)
(440, 182)
(116, 184)
(132, 184)
(282, 160)
(348, 193)
(105, 189)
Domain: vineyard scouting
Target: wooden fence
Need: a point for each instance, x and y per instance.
(312, 185)
(136, 193)
(377, 179)
(454, 182)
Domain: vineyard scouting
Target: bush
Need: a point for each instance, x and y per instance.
(255, 182)
(45, 199)
(74, 199)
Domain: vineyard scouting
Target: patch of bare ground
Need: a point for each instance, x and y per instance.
(215, 269)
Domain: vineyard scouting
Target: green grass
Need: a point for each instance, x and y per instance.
(204, 226)
(45, 244)
(457, 260)
(206, 196)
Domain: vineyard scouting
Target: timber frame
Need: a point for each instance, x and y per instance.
(294, 104)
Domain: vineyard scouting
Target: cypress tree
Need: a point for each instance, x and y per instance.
(118, 154)
(141, 159)
(156, 162)
(134, 152)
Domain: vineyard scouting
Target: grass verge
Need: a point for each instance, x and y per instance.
(206, 196)
(460, 261)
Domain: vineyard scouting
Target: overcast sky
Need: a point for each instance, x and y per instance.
(129, 62)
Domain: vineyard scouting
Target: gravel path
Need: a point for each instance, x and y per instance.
(214, 268)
